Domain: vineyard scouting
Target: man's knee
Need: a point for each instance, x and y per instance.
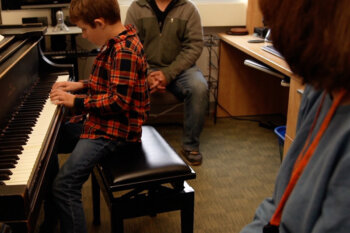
(200, 90)
(197, 81)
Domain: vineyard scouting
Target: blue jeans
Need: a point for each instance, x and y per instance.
(73, 174)
(191, 87)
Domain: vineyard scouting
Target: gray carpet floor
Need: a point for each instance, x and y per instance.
(240, 163)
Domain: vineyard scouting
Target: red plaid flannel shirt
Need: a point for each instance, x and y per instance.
(117, 101)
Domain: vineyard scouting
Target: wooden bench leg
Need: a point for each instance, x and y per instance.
(95, 200)
(117, 223)
(187, 210)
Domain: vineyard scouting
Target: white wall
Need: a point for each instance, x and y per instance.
(212, 13)
(217, 16)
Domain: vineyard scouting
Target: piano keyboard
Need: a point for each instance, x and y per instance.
(22, 141)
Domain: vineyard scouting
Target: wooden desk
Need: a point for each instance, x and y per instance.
(244, 91)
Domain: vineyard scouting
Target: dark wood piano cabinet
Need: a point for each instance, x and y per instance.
(26, 78)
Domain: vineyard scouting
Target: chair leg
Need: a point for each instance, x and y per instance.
(95, 200)
(117, 225)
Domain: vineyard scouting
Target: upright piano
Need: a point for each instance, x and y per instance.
(29, 124)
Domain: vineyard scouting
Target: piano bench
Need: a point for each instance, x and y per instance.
(144, 181)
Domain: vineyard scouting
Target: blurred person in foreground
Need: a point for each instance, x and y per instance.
(312, 189)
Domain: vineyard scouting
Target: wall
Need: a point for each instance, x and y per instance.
(212, 13)
(216, 17)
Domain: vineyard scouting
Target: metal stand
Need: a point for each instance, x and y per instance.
(211, 43)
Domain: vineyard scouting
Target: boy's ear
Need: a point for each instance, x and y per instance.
(100, 22)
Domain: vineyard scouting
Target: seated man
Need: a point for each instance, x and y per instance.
(172, 35)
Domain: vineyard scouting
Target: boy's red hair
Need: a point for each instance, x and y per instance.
(89, 10)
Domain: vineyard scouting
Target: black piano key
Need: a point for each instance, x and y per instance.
(40, 97)
(9, 157)
(7, 165)
(8, 138)
(37, 96)
(11, 161)
(23, 119)
(5, 171)
(11, 141)
(17, 143)
(18, 146)
(18, 121)
(35, 104)
(4, 177)
(27, 114)
(29, 109)
(20, 124)
(9, 133)
(10, 152)
(14, 140)
(39, 90)
(10, 147)
(10, 144)
(35, 101)
(17, 127)
(17, 131)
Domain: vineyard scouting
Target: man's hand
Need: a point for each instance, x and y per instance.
(157, 81)
(59, 96)
(68, 86)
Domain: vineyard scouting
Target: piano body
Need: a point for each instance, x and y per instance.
(29, 124)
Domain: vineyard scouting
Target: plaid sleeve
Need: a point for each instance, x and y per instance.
(121, 72)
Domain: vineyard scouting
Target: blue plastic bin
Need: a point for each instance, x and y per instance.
(281, 131)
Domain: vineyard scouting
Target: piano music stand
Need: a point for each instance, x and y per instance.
(72, 32)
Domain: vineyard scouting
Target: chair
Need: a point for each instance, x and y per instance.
(165, 108)
(144, 181)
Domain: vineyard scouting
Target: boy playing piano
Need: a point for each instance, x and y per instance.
(115, 105)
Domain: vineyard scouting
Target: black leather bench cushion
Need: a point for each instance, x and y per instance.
(153, 161)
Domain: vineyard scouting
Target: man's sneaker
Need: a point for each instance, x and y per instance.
(193, 157)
